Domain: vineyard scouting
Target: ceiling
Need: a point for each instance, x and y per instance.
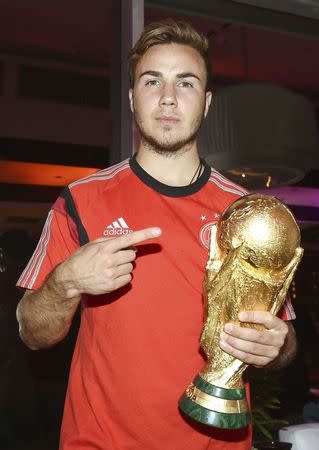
(69, 29)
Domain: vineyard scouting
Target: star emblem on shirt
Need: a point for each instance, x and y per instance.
(203, 217)
(216, 216)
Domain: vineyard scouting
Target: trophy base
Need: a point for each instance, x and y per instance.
(215, 406)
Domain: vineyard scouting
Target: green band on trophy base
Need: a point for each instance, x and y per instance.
(216, 406)
(216, 391)
(216, 419)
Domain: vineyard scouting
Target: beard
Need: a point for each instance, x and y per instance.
(169, 145)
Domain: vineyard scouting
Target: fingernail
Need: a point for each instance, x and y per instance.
(242, 316)
(156, 232)
(228, 327)
(222, 344)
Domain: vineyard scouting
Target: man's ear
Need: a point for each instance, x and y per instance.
(130, 95)
(209, 97)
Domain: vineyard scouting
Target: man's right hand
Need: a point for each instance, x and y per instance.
(99, 267)
(102, 265)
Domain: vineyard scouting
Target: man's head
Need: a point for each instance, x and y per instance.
(169, 96)
(169, 31)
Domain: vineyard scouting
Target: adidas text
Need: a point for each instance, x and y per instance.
(117, 232)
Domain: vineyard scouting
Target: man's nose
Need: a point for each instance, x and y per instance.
(168, 97)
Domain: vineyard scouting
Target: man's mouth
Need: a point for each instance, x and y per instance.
(167, 120)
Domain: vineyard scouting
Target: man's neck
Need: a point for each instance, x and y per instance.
(173, 170)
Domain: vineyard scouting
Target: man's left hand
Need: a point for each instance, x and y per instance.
(255, 347)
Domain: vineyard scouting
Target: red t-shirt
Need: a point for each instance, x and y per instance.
(138, 348)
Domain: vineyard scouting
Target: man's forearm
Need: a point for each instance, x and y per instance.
(287, 352)
(45, 315)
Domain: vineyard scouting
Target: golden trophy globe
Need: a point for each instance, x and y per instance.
(254, 253)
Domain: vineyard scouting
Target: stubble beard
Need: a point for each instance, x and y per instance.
(168, 146)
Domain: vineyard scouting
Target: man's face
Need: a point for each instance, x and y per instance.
(169, 100)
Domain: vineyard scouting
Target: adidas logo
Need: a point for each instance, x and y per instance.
(117, 228)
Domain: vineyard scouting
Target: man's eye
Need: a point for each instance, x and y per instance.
(152, 83)
(185, 84)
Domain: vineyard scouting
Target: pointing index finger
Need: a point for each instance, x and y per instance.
(134, 238)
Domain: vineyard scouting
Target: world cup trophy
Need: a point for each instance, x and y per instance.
(254, 253)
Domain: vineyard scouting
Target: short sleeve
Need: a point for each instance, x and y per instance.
(59, 239)
(287, 311)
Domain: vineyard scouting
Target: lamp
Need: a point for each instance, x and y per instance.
(260, 135)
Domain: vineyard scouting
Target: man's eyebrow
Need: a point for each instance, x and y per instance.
(152, 73)
(187, 75)
(155, 73)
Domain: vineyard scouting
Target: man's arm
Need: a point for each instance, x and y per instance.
(99, 267)
(45, 315)
(273, 347)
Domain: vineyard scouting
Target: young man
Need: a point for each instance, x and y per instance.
(140, 285)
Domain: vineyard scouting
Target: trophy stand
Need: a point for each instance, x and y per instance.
(216, 406)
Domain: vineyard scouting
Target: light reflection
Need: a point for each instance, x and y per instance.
(259, 230)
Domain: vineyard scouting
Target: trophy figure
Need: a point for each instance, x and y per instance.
(254, 253)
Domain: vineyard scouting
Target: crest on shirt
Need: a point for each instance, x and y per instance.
(204, 233)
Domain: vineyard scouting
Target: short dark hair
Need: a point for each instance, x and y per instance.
(169, 31)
